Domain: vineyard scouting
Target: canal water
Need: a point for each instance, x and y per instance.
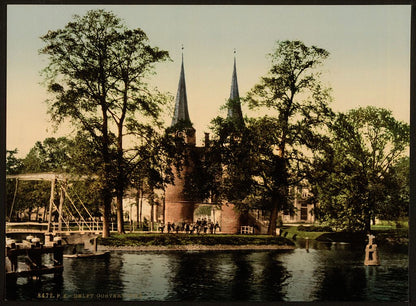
(325, 272)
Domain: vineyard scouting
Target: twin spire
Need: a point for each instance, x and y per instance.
(181, 113)
(234, 105)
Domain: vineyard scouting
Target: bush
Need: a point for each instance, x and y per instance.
(185, 239)
(312, 228)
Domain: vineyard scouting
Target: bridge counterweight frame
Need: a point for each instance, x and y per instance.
(54, 178)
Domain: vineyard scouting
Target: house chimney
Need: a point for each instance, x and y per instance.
(206, 139)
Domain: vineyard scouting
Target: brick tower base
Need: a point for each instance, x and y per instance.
(179, 212)
(230, 219)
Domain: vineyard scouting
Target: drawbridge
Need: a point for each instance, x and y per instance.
(72, 215)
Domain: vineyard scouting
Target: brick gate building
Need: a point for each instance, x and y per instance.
(177, 208)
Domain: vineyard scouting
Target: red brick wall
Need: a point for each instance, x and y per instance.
(174, 193)
(230, 219)
(177, 209)
(179, 212)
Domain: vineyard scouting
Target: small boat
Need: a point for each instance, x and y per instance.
(87, 255)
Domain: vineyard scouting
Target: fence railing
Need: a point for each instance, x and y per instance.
(74, 226)
(246, 230)
(81, 226)
(93, 226)
(26, 227)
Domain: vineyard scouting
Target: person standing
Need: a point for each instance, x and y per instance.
(217, 226)
(211, 228)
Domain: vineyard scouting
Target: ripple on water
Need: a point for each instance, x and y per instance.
(324, 274)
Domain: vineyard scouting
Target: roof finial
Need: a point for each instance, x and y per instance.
(182, 53)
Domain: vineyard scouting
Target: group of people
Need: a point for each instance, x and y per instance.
(200, 226)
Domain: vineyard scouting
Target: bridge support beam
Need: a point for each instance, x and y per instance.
(61, 204)
(51, 205)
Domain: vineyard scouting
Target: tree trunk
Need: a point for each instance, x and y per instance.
(107, 201)
(279, 196)
(121, 171)
(367, 225)
(120, 217)
(368, 212)
(141, 208)
(163, 209)
(107, 212)
(106, 190)
(138, 208)
(273, 217)
(151, 215)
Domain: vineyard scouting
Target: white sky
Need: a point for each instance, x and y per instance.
(369, 60)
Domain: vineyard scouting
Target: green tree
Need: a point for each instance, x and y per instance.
(396, 200)
(362, 174)
(14, 201)
(229, 162)
(60, 155)
(13, 163)
(50, 155)
(96, 75)
(154, 173)
(27, 195)
(292, 89)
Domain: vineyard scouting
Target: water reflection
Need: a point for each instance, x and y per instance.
(96, 278)
(145, 276)
(29, 289)
(201, 276)
(327, 272)
(33, 288)
(234, 276)
(349, 287)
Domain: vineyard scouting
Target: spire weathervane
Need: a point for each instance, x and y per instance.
(182, 53)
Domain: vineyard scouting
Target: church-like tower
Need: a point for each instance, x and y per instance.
(177, 207)
(234, 104)
(230, 218)
(181, 113)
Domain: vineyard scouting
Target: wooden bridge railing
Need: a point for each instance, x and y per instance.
(35, 227)
(81, 226)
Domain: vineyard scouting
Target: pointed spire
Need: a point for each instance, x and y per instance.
(234, 108)
(181, 113)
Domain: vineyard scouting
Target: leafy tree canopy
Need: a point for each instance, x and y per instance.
(357, 179)
(292, 88)
(97, 76)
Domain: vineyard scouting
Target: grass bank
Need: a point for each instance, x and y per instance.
(294, 232)
(388, 233)
(139, 239)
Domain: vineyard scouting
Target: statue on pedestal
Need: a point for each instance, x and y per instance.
(371, 252)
